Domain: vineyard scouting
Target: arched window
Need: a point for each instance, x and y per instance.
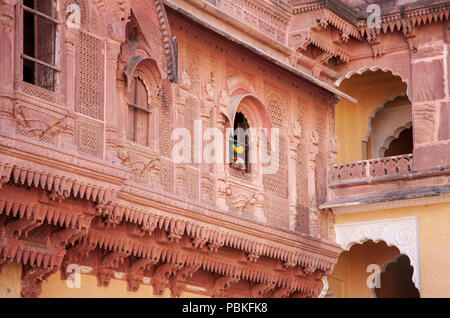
(401, 145)
(240, 144)
(138, 113)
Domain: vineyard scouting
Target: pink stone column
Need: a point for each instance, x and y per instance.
(7, 49)
(312, 194)
(111, 111)
(292, 179)
(70, 38)
(430, 99)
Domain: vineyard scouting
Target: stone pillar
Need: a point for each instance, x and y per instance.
(294, 141)
(312, 194)
(7, 49)
(68, 136)
(258, 214)
(430, 105)
(111, 111)
(223, 191)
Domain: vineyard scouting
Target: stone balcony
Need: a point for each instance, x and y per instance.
(384, 182)
(372, 170)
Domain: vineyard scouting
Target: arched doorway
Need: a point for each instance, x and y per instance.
(372, 269)
(382, 109)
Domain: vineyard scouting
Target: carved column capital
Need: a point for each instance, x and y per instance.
(7, 14)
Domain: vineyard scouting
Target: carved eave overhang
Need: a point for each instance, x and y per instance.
(143, 14)
(221, 17)
(216, 228)
(351, 23)
(27, 163)
(66, 212)
(405, 18)
(388, 200)
(286, 58)
(174, 254)
(334, 13)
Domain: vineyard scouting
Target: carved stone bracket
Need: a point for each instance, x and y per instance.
(110, 263)
(179, 281)
(18, 227)
(136, 272)
(162, 275)
(221, 285)
(32, 278)
(260, 290)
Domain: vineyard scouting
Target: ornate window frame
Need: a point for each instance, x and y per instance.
(148, 74)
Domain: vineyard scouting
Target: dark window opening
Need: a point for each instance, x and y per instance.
(138, 113)
(39, 43)
(240, 144)
(396, 280)
(402, 145)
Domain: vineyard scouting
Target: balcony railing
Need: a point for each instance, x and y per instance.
(373, 168)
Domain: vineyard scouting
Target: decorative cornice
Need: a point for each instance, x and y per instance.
(350, 21)
(168, 44)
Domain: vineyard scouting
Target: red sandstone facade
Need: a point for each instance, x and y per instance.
(86, 173)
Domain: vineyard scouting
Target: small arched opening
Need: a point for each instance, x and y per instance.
(372, 269)
(395, 280)
(383, 107)
(389, 130)
(246, 120)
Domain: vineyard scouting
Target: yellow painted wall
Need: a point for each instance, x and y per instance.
(434, 242)
(54, 287)
(371, 89)
(57, 288)
(10, 281)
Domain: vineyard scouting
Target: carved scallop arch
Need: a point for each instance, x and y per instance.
(395, 134)
(236, 84)
(400, 232)
(376, 110)
(148, 71)
(403, 77)
(360, 71)
(251, 106)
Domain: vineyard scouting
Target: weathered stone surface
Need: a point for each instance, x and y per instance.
(432, 156)
(428, 81)
(444, 122)
(424, 121)
(430, 51)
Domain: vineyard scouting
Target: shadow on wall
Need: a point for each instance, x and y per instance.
(396, 280)
(372, 269)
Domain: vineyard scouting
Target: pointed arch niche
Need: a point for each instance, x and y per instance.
(247, 107)
(142, 116)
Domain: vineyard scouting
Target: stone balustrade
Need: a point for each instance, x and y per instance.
(373, 168)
